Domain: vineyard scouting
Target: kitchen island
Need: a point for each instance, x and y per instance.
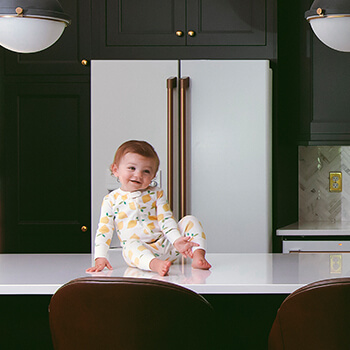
(244, 289)
(38, 274)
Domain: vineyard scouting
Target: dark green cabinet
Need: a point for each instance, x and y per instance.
(45, 144)
(324, 92)
(182, 28)
(140, 23)
(47, 188)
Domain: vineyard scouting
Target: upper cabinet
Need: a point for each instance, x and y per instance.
(324, 91)
(183, 29)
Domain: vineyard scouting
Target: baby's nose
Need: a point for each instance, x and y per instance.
(138, 174)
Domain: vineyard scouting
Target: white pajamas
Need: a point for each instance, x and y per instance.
(145, 226)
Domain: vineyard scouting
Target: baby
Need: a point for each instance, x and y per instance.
(150, 237)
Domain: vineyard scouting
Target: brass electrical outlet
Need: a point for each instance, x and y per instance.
(335, 181)
(335, 263)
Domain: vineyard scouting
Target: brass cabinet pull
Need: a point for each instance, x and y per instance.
(184, 84)
(171, 84)
(179, 33)
(84, 62)
(191, 33)
(84, 228)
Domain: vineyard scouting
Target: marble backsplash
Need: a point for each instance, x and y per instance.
(316, 202)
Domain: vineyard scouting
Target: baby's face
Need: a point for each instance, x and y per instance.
(135, 172)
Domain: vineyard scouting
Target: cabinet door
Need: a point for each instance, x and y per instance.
(140, 22)
(331, 104)
(137, 29)
(226, 22)
(323, 92)
(65, 56)
(47, 146)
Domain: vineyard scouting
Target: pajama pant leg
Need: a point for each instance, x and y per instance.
(191, 227)
(139, 254)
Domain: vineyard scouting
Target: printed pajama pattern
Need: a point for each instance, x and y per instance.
(145, 227)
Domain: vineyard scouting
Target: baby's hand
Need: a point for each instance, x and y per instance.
(100, 264)
(184, 246)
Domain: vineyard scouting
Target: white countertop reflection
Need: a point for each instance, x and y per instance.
(230, 274)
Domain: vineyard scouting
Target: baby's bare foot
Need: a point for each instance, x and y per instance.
(160, 266)
(200, 264)
(199, 261)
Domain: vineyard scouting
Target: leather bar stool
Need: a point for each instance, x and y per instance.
(128, 313)
(315, 316)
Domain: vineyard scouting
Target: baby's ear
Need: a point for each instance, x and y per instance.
(114, 169)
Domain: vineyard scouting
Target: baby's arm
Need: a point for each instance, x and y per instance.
(100, 264)
(103, 237)
(166, 220)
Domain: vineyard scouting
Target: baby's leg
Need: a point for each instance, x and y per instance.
(137, 254)
(190, 227)
(141, 255)
(199, 261)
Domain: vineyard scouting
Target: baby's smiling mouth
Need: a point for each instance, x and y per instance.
(135, 181)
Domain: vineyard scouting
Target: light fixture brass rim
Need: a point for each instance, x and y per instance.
(326, 16)
(67, 23)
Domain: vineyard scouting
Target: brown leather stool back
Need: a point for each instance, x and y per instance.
(315, 316)
(128, 313)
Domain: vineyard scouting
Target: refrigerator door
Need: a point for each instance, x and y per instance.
(129, 102)
(228, 117)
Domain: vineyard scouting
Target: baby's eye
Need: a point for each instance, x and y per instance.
(131, 168)
(147, 172)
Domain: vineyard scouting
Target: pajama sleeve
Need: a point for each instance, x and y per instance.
(105, 229)
(166, 219)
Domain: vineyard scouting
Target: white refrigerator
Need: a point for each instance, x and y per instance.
(210, 123)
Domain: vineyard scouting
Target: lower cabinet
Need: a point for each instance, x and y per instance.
(242, 321)
(47, 174)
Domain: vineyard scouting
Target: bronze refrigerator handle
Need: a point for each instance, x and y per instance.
(171, 84)
(184, 84)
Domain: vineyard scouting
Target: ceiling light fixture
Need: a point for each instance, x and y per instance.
(330, 21)
(28, 26)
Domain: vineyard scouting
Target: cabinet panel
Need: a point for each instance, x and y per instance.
(63, 57)
(143, 22)
(148, 29)
(47, 195)
(226, 22)
(325, 102)
(331, 84)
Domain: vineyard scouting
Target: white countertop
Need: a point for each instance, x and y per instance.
(230, 274)
(316, 228)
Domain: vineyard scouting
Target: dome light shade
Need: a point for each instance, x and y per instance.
(330, 21)
(28, 26)
(328, 31)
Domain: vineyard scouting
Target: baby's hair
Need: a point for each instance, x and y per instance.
(142, 148)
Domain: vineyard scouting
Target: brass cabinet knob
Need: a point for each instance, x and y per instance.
(84, 228)
(19, 11)
(191, 33)
(179, 33)
(84, 62)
